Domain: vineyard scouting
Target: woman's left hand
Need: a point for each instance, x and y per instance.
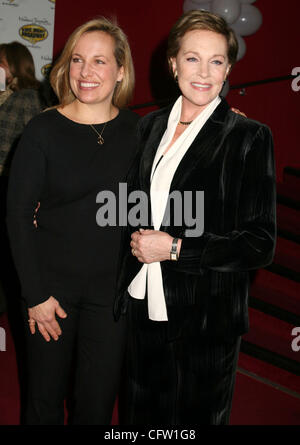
(150, 246)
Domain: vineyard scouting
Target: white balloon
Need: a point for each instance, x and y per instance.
(206, 6)
(242, 47)
(199, 2)
(228, 9)
(189, 5)
(248, 22)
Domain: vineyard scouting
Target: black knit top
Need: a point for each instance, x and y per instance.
(59, 163)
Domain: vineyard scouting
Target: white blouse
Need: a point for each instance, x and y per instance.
(163, 170)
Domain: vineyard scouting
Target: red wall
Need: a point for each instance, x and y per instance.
(272, 51)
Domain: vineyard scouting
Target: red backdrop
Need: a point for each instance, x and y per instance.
(272, 51)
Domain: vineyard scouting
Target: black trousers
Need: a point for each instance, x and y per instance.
(174, 374)
(91, 345)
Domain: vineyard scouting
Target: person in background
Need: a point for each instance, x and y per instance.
(21, 100)
(184, 277)
(67, 262)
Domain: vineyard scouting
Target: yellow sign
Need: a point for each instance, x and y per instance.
(33, 33)
(45, 70)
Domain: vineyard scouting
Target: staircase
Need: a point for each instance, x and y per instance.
(268, 379)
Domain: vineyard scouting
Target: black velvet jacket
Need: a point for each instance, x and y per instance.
(231, 160)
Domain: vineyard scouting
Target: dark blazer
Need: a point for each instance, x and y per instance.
(231, 160)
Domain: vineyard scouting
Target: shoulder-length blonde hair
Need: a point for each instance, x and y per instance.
(59, 76)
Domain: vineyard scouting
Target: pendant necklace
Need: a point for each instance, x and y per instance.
(100, 140)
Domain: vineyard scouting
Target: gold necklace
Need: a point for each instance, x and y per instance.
(100, 140)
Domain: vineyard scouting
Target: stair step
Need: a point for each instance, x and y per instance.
(291, 175)
(272, 334)
(274, 311)
(288, 235)
(9, 380)
(288, 194)
(276, 290)
(270, 357)
(10, 412)
(257, 403)
(268, 371)
(287, 254)
(284, 272)
(288, 219)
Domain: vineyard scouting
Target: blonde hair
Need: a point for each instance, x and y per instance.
(197, 19)
(59, 76)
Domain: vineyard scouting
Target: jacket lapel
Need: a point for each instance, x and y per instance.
(203, 149)
(204, 146)
(151, 145)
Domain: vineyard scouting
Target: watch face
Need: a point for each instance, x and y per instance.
(174, 256)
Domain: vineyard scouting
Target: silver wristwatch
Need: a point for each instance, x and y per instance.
(173, 252)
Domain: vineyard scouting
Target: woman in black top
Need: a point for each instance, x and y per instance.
(67, 156)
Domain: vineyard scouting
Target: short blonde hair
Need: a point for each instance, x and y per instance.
(59, 76)
(197, 19)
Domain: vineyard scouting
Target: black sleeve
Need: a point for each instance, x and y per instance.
(251, 245)
(126, 231)
(25, 187)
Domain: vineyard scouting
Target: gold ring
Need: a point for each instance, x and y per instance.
(133, 252)
(31, 321)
